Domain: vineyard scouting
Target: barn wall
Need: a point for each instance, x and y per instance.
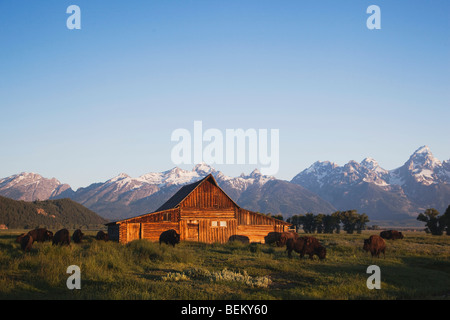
(246, 217)
(123, 233)
(152, 230)
(172, 215)
(255, 233)
(221, 234)
(207, 213)
(207, 196)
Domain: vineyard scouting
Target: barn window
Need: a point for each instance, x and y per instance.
(166, 216)
(213, 223)
(223, 223)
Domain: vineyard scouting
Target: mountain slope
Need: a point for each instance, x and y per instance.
(123, 196)
(49, 213)
(422, 182)
(32, 186)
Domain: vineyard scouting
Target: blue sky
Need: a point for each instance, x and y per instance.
(85, 105)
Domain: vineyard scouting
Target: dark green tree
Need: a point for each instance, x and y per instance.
(433, 222)
(318, 220)
(446, 220)
(361, 222)
(330, 223)
(349, 220)
(337, 220)
(308, 222)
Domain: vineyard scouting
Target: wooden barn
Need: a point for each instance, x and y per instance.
(201, 212)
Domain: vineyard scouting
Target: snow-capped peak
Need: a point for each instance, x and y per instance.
(422, 158)
(203, 168)
(423, 149)
(369, 163)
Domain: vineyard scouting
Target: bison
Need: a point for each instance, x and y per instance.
(169, 237)
(101, 235)
(375, 244)
(19, 238)
(77, 236)
(61, 237)
(240, 238)
(284, 237)
(41, 235)
(391, 235)
(26, 242)
(305, 245)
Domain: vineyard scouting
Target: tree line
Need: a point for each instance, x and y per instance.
(435, 223)
(350, 221)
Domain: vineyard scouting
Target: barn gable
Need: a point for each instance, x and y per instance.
(192, 193)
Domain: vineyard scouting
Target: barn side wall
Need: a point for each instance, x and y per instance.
(152, 230)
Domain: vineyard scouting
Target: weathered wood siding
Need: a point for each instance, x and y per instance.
(255, 233)
(152, 230)
(246, 217)
(207, 196)
(166, 215)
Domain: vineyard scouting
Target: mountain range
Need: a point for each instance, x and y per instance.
(399, 194)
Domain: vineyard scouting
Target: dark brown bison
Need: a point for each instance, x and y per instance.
(305, 245)
(272, 237)
(375, 244)
(77, 236)
(169, 237)
(243, 239)
(285, 236)
(26, 242)
(101, 235)
(41, 235)
(19, 238)
(313, 247)
(391, 235)
(61, 237)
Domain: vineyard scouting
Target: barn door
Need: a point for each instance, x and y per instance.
(133, 231)
(192, 232)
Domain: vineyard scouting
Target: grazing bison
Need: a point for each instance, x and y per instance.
(305, 245)
(391, 235)
(41, 235)
(61, 237)
(101, 235)
(77, 236)
(375, 244)
(169, 237)
(19, 238)
(243, 239)
(285, 236)
(272, 237)
(313, 247)
(26, 242)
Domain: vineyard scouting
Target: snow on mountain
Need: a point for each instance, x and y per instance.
(29, 186)
(422, 167)
(406, 189)
(423, 181)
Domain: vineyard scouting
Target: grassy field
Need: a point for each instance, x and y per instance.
(417, 267)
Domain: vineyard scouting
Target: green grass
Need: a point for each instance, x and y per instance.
(417, 267)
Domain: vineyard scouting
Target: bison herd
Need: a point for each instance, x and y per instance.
(307, 245)
(303, 245)
(61, 237)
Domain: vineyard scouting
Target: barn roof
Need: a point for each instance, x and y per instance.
(185, 191)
